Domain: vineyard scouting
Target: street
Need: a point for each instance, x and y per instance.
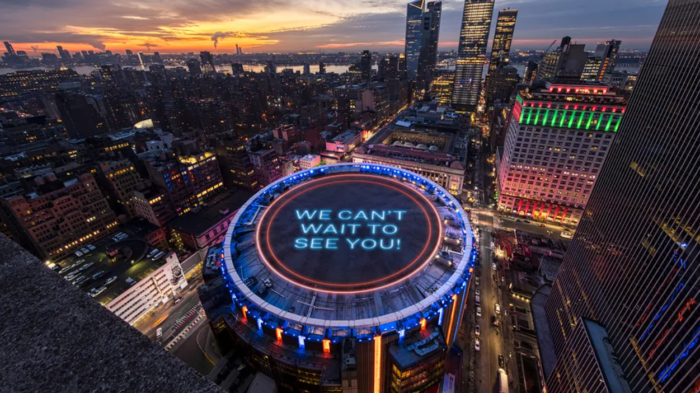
(197, 347)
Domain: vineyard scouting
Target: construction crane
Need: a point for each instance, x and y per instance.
(548, 48)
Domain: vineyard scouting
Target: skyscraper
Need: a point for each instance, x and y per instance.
(321, 67)
(633, 264)
(567, 61)
(473, 39)
(414, 14)
(430, 32)
(65, 55)
(194, 67)
(207, 62)
(554, 148)
(602, 62)
(10, 49)
(366, 66)
(422, 33)
(502, 38)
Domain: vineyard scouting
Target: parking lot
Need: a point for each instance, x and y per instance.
(107, 267)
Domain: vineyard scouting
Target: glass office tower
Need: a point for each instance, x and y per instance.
(473, 39)
(633, 266)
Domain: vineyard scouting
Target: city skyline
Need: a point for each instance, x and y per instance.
(282, 26)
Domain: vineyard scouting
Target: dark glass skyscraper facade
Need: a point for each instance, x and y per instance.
(634, 263)
(473, 39)
(414, 14)
(422, 34)
(430, 33)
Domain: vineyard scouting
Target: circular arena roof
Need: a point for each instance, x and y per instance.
(349, 233)
(347, 246)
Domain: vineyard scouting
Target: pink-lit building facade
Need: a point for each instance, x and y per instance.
(557, 140)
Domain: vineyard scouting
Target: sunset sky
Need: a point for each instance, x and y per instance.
(300, 25)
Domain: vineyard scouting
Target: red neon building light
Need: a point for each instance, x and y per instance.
(534, 209)
(527, 207)
(566, 209)
(519, 206)
(556, 212)
(549, 210)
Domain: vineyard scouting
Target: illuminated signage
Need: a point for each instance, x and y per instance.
(349, 233)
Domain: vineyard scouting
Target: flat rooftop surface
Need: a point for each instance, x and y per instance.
(349, 233)
(331, 283)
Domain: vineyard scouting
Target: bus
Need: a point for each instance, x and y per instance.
(502, 381)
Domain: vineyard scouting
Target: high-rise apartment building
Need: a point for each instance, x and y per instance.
(633, 264)
(189, 181)
(557, 140)
(207, 62)
(194, 68)
(473, 39)
(59, 216)
(321, 68)
(154, 205)
(567, 61)
(267, 167)
(235, 163)
(122, 179)
(500, 84)
(502, 38)
(602, 62)
(10, 49)
(366, 66)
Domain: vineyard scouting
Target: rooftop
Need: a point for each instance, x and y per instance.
(360, 308)
(84, 348)
(199, 222)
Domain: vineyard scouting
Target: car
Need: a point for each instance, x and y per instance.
(494, 320)
(501, 361)
(78, 253)
(178, 300)
(130, 281)
(527, 222)
(91, 247)
(543, 225)
(477, 330)
(85, 250)
(567, 235)
(110, 280)
(478, 292)
(493, 266)
(497, 307)
(98, 275)
(85, 267)
(477, 345)
(159, 333)
(478, 311)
